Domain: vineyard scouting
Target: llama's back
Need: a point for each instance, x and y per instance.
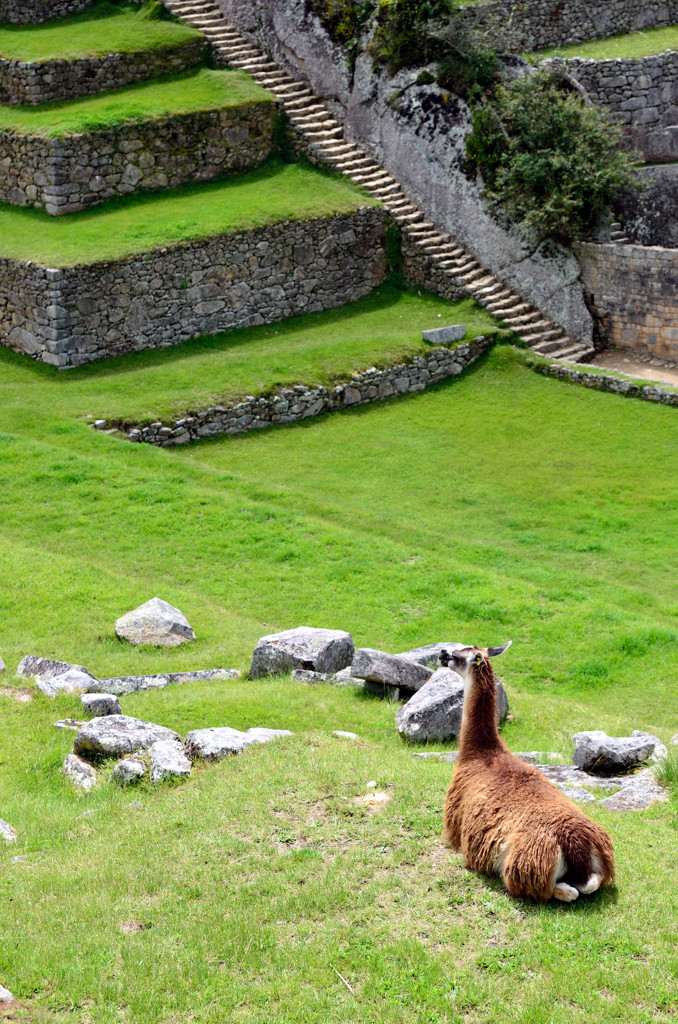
(507, 819)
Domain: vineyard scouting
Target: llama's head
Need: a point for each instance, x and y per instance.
(466, 660)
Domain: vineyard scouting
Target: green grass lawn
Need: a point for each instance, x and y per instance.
(500, 505)
(631, 44)
(104, 28)
(319, 348)
(202, 89)
(272, 193)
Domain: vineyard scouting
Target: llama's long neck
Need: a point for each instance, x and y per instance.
(479, 733)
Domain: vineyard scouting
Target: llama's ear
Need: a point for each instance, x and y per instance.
(494, 652)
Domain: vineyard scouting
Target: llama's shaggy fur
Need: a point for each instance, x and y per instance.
(504, 816)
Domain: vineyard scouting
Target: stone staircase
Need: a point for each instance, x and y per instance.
(618, 235)
(324, 135)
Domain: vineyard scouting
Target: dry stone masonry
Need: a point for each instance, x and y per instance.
(70, 316)
(541, 23)
(34, 82)
(641, 94)
(607, 382)
(301, 402)
(27, 12)
(631, 289)
(71, 172)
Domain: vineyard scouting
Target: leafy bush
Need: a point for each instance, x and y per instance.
(343, 19)
(549, 161)
(404, 36)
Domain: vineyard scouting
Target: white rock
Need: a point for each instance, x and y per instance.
(115, 735)
(71, 681)
(7, 833)
(128, 771)
(341, 735)
(157, 623)
(217, 742)
(6, 996)
(168, 761)
(316, 650)
(81, 774)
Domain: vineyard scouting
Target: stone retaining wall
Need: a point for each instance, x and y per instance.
(32, 12)
(42, 81)
(604, 382)
(540, 23)
(301, 402)
(74, 171)
(420, 270)
(642, 96)
(67, 317)
(632, 293)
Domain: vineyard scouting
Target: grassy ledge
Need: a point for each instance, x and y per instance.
(622, 47)
(202, 89)
(103, 29)
(270, 194)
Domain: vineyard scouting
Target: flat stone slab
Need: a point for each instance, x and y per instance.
(70, 723)
(304, 675)
(101, 704)
(220, 741)
(123, 685)
(116, 735)
(128, 771)
(577, 794)
(429, 654)
(637, 793)
(81, 774)
(444, 335)
(434, 713)
(156, 623)
(7, 833)
(341, 735)
(47, 668)
(599, 754)
(315, 650)
(168, 761)
(379, 667)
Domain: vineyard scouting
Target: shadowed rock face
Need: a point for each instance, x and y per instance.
(391, 669)
(599, 754)
(434, 714)
(157, 623)
(418, 133)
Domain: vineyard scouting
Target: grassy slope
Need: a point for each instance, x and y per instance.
(270, 194)
(202, 89)
(633, 44)
(100, 30)
(381, 329)
(500, 505)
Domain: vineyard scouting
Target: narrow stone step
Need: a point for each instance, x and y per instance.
(546, 347)
(502, 310)
(523, 319)
(485, 288)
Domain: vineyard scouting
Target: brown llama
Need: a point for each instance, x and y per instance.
(503, 815)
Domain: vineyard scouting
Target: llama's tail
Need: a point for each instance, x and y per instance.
(588, 851)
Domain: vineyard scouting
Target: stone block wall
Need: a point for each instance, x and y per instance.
(32, 12)
(540, 23)
(650, 217)
(633, 293)
(420, 270)
(642, 96)
(302, 402)
(69, 173)
(36, 82)
(67, 317)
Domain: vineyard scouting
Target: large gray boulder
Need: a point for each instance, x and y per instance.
(157, 623)
(73, 680)
(123, 685)
(317, 650)
(218, 742)
(81, 774)
(599, 754)
(434, 713)
(429, 654)
(101, 704)
(116, 735)
(7, 832)
(48, 668)
(391, 669)
(168, 761)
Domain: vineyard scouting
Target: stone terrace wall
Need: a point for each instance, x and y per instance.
(641, 94)
(608, 382)
(302, 402)
(632, 292)
(72, 172)
(75, 315)
(41, 81)
(541, 23)
(27, 12)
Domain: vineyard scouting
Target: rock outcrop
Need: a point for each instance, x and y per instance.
(316, 650)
